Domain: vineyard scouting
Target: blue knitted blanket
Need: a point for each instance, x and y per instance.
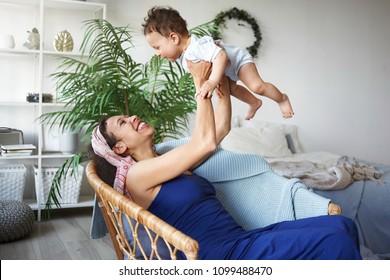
(248, 188)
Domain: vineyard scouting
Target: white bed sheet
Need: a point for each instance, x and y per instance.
(326, 158)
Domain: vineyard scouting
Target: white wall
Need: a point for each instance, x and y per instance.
(331, 57)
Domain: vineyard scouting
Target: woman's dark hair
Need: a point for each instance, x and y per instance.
(105, 170)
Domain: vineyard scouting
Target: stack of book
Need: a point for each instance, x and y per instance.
(17, 150)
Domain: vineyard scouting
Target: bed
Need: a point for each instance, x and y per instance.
(361, 188)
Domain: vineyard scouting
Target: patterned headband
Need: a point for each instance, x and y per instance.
(122, 164)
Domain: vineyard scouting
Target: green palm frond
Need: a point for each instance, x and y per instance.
(106, 81)
(204, 29)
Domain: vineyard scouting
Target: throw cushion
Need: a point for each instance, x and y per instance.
(264, 141)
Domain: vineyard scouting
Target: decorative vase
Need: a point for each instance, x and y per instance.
(7, 41)
(63, 42)
(68, 142)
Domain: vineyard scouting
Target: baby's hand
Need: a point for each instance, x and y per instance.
(206, 91)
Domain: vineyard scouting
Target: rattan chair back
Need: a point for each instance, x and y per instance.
(121, 214)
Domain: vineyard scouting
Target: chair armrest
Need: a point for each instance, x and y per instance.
(116, 207)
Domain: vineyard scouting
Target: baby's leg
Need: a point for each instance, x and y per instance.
(249, 75)
(246, 96)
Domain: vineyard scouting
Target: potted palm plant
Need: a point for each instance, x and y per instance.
(107, 81)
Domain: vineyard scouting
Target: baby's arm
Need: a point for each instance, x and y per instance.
(217, 73)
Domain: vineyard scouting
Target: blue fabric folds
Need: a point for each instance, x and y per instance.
(248, 188)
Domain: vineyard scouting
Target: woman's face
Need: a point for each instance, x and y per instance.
(132, 131)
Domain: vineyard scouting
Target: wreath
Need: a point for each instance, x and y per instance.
(240, 15)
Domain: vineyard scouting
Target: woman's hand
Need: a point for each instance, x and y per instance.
(200, 72)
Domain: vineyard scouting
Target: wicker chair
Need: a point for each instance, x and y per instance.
(118, 210)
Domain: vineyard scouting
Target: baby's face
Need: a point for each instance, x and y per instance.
(166, 47)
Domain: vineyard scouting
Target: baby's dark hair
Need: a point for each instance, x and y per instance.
(164, 20)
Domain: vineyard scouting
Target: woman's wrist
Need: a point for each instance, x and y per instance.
(198, 81)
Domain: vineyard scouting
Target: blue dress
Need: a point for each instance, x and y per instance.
(189, 204)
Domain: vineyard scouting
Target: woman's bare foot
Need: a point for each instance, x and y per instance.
(285, 107)
(334, 209)
(253, 109)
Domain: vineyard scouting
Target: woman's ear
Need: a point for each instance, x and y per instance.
(119, 147)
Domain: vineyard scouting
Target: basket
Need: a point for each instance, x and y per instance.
(12, 181)
(70, 184)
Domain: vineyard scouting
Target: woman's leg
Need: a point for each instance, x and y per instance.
(322, 237)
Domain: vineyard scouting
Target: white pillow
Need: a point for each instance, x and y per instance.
(290, 131)
(264, 141)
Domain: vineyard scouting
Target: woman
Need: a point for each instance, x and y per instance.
(165, 186)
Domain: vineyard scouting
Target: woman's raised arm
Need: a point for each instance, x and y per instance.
(147, 174)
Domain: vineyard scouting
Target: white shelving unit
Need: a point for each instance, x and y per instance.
(24, 71)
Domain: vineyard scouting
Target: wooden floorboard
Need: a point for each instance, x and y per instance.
(65, 236)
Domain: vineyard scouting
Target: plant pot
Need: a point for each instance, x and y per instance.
(68, 142)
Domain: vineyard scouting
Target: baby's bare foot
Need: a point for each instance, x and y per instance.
(253, 109)
(285, 107)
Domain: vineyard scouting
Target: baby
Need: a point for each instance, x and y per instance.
(166, 31)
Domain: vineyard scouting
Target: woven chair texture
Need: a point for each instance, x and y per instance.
(149, 234)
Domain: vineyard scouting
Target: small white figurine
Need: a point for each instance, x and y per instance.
(32, 42)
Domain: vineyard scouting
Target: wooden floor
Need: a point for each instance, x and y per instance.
(64, 237)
